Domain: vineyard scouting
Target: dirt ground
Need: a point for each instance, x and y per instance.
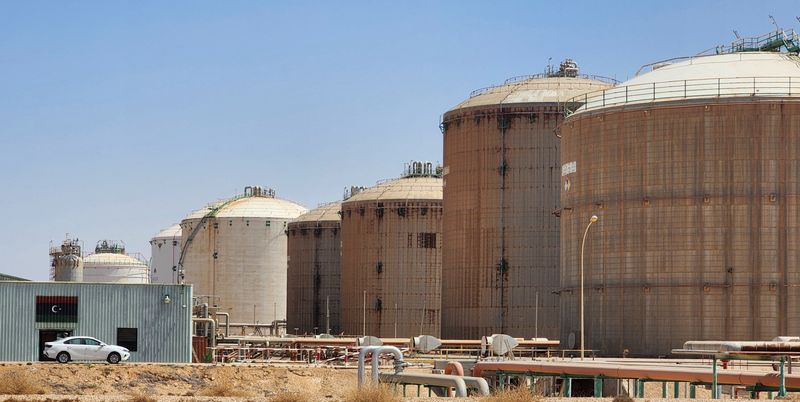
(191, 382)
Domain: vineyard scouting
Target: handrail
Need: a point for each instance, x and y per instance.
(522, 78)
(683, 89)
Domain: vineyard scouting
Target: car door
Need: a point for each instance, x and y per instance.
(74, 347)
(93, 349)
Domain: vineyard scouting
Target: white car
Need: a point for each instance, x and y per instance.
(84, 348)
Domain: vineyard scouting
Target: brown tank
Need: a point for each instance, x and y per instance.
(391, 256)
(313, 280)
(692, 170)
(501, 170)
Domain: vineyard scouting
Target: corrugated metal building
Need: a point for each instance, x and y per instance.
(152, 321)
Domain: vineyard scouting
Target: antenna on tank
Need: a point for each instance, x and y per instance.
(772, 19)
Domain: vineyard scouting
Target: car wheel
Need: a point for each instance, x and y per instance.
(63, 357)
(113, 358)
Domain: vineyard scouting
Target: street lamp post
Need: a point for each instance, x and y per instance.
(592, 220)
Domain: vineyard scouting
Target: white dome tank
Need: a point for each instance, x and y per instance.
(165, 252)
(110, 264)
(234, 252)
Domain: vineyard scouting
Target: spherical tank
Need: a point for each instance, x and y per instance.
(110, 264)
(501, 166)
(165, 252)
(391, 257)
(234, 254)
(692, 169)
(315, 250)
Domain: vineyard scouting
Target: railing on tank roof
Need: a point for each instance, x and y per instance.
(522, 78)
(769, 42)
(683, 89)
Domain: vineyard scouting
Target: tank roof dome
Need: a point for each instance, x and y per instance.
(170, 232)
(252, 204)
(110, 259)
(326, 212)
(534, 89)
(406, 188)
(732, 65)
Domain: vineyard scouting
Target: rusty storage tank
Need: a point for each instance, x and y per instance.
(391, 256)
(315, 251)
(500, 251)
(692, 169)
(234, 253)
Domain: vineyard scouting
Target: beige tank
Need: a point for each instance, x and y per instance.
(391, 256)
(501, 176)
(234, 254)
(692, 170)
(314, 275)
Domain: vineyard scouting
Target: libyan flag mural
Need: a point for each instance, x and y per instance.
(56, 309)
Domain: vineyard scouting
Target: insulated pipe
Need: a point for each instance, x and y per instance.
(438, 380)
(454, 366)
(227, 322)
(362, 356)
(213, 328)
(376, 355)
(655, 373)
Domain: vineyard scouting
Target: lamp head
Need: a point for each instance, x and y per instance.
(593, 219)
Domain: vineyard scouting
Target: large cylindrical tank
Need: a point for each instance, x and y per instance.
(165, 252)
(391, 257)
(67, 261)
(501, 174)
(314, 275)
(692, 169)
(234, 254)
(110, 264)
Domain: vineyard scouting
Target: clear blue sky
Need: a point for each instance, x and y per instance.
(117, 118)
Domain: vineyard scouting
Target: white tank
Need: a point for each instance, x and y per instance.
(165, 252)
(66, 261)
(235, 254)
(110, 264)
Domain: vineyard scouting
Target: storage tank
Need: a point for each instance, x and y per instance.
(315, 251)
(391, 256)
(165, 252)
(234, 253)
(692, 169)
(66, 261)
(110, 264)
(500, 252)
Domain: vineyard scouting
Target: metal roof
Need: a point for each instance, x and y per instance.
(536, 89)
(326, 212)
(408, 188)
(254, 207)
(723, 66)
(169, 233)
(4, 277)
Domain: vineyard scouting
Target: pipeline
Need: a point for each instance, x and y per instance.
(621, 371)
(438, 380)
(376, 352)
(478, 383)
(227, 322)
(213, 328)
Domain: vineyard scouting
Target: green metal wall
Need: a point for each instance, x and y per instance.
(164, 329)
